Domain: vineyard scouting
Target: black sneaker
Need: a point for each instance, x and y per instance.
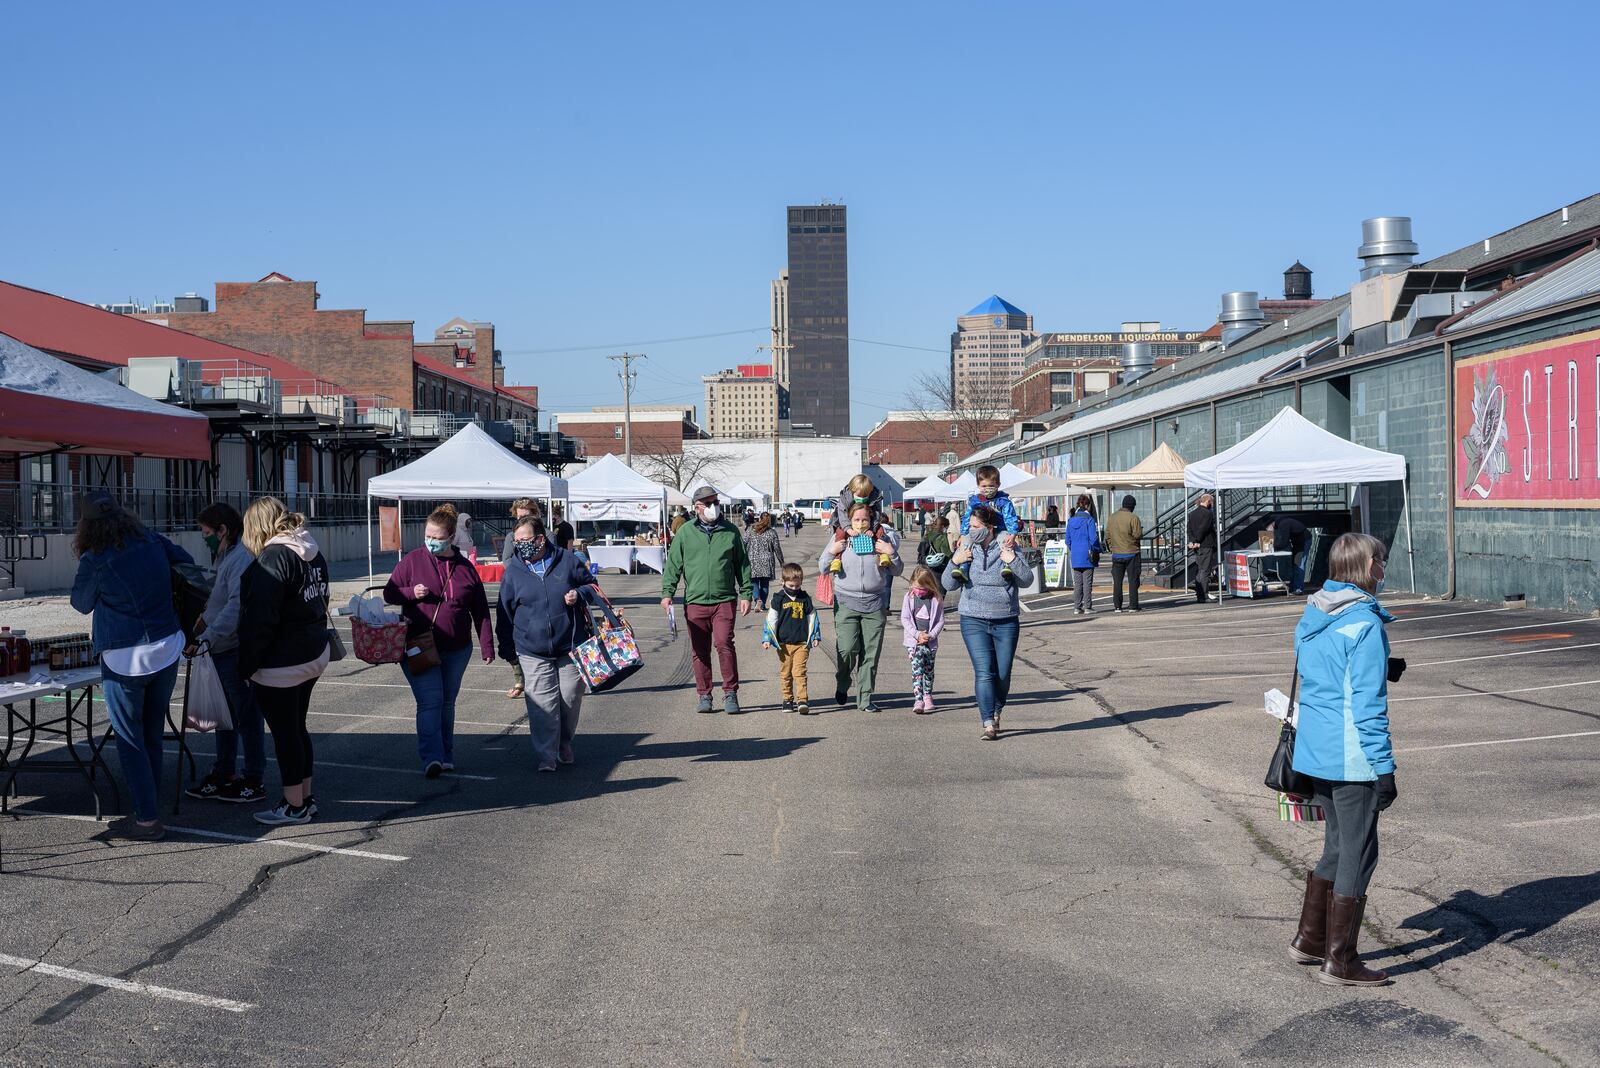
(872, 708)
(131, 829)
(1008, 576)
(842, 697)
(788, 706)
(240, 791)
(207, 788)
(433, 770)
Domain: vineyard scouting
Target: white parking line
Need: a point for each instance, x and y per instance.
(1464, 694)
(403, 686)
(201, 754)
(1557, 820)
(1497, 741)
(1497, 630)
(413, 719)
(286, 843)
(1424, 663)
(125, 985)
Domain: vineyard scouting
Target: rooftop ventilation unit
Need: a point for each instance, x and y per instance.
(1241, 315)
(1138, 360)
(1386, 245)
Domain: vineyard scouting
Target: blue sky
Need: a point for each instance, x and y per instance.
(596, 176)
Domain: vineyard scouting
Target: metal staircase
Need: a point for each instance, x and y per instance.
(1241, 511)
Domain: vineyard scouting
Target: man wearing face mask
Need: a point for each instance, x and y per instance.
(708, 555)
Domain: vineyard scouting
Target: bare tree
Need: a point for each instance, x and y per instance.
(976, 417)
(683, 470)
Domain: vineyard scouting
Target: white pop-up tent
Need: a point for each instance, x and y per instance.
(938, 490)
(746, 492)
(470, 465)
(610, 489)
(1012, 475)
(1044, 486)
(1293, 451)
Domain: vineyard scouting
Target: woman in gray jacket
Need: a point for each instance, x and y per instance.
(989, 610)
(861, 603)
(219, 628)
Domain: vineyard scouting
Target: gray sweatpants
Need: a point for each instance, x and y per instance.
(554, 692)
(1350, 841)
(1083, 588)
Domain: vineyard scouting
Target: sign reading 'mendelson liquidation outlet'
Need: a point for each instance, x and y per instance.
(1527, 426)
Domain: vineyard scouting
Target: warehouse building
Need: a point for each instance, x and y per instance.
(1481, 367)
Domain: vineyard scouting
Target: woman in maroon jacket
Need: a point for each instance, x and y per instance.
(440, 593)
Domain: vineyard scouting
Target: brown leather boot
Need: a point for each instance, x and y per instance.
(1310, 945)
(1343, 967)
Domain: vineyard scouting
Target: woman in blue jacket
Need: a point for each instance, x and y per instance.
(538, 623)
(1342, 742)
(1083, 539)
(125, 579)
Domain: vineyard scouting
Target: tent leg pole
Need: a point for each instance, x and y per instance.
(1405, 498)
(369, 539)
(1187, 507)
(400, 522)
(1222, 578)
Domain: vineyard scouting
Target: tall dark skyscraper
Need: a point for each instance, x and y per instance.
(819, 318)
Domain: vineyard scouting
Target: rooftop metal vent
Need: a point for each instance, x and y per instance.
(1138, 360)
(1386, 245)
(1241, 315)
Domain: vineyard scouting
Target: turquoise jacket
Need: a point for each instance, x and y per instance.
(1343, 654)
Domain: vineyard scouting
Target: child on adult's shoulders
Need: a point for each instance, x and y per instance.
(859, 492)
(991, 495)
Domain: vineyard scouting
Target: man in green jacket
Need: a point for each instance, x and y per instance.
(708, 554)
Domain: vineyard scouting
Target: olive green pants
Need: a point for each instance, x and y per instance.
(858, 639)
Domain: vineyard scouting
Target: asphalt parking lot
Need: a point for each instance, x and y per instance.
(1107, 884)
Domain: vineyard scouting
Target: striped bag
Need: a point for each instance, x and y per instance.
(1292, 809)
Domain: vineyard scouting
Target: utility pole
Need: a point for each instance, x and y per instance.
(779, 352)
(627, 375)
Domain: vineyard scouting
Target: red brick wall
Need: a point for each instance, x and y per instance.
(282, 319)
(599, 438)
(920, 441)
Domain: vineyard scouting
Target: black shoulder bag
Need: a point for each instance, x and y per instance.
(1281, 775)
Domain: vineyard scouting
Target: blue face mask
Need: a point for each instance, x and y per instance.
(436, 545)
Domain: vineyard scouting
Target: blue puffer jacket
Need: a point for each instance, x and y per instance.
(1343, 652)
(1083, 538)
(129, 590)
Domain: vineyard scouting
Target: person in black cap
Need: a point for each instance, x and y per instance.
(1123, 534)
(709, 556)
(125, 579)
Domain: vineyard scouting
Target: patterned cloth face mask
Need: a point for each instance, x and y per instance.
(528, 548)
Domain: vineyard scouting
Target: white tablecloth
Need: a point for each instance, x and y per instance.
(609, 556)
(652, 556)
(18, 688)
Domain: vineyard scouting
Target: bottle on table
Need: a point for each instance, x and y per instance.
(21, 652)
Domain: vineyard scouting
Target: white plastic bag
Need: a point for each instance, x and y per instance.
(370, 608)
(205, 703)
(1276, 704)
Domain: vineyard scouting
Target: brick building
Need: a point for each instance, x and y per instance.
(657, 428)
(379, 362)
(746, 401)
(912, 437)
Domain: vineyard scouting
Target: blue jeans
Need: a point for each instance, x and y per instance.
(991, 643)
(758, 590)
(247, 724)
(435, 691)
(1299, 583)
(137, 708)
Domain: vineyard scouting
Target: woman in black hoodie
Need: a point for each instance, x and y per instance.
(283, 642)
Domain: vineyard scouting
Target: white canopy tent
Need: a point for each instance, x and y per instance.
(610, 489)
(470, 465)
(1012, 475)
(959, 490)
(1044, 486)
(1293, 451)
(926, 490)
(746, 492)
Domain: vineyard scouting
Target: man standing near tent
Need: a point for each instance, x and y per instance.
(708, 555)
(1289, 535)
(1203, 544)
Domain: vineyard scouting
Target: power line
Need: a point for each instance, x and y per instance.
(630, 344)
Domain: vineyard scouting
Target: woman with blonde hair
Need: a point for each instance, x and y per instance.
(283, 642)
(1342, 743)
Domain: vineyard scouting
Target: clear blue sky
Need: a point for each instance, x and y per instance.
(589, 176)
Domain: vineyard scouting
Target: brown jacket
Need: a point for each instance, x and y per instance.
(1123, 531)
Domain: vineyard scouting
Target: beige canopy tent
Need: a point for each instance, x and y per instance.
(1162, 468)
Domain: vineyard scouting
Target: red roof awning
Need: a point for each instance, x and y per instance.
(47, 404)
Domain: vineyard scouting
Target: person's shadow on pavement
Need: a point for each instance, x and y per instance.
(1468, 921)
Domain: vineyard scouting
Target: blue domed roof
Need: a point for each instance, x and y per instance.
(996, 306)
